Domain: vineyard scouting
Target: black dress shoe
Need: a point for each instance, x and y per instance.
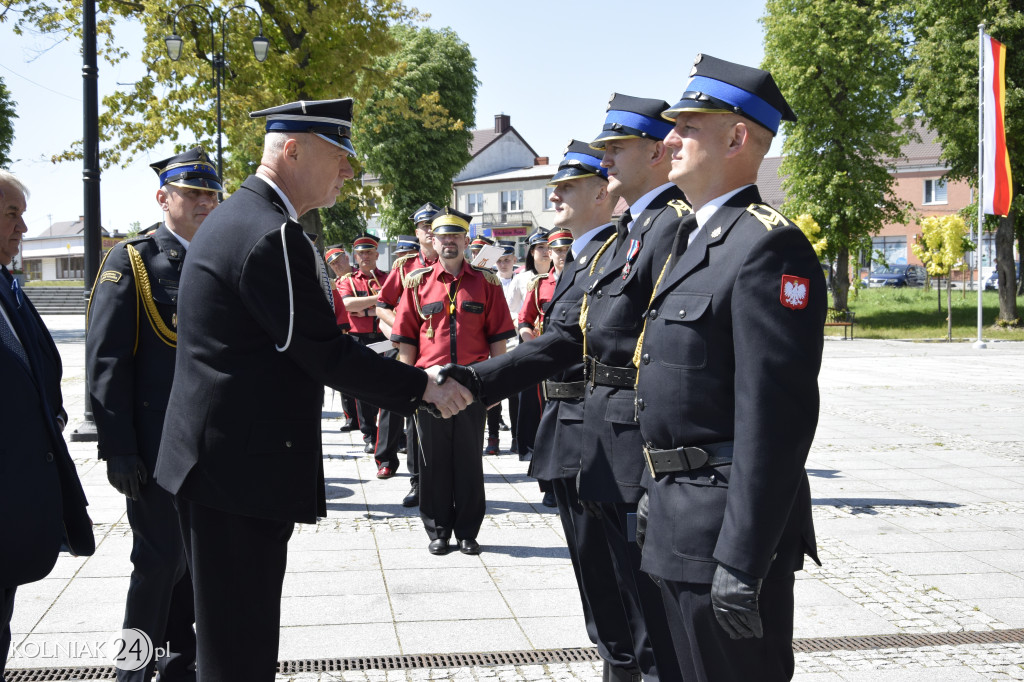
(525, 456)
(549, 500)
(348, 426)
(412, 498)
(439, 546)
(369, 448)
(613, 673)
(469, 546)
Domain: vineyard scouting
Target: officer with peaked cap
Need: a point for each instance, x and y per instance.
(737, 320)
(619, 282)
(406, 244)
(358, 291)
(387, 301)
(451, 311)
(130, 360)
(258, 340)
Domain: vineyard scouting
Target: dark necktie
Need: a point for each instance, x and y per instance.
(568, 257)
(7, 336)
(622, 227)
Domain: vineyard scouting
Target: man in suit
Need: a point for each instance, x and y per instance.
(728, 391)
(40, 487)
(129, 350)
(258, 340)
(620, 278)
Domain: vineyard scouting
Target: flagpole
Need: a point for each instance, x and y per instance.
(981, 167)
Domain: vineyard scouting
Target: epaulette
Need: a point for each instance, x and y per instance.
(415, 278)
(347, 275)
(402, 260)
(681, 207)
(535, 282)
(490, 275)
(767, 215)
(138, 238)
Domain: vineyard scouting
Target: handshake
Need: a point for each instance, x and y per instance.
(443, 398)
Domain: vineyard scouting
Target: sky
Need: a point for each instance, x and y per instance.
(551, 66)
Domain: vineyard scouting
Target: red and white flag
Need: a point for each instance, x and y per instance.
(996, 181)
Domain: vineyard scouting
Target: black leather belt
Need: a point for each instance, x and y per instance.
(688, 459)
(597, 374)
(562, 390)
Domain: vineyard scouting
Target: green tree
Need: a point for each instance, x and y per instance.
(811, 229)
(944, 93)
(318, 50)
(840, 65)
(414, 130)
(941, 247)
(7, 116)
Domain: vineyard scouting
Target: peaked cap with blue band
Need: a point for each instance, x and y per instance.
(632, 117)
(579, 160)
(425, 213)
(718, 85)
(508, 247)
(192, 169)
(405, 243)
(328, 119)
(450, 221)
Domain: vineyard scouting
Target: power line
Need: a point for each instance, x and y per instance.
(39, 85)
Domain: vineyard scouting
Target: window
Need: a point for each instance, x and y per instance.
(548, 191)
(935, 191)
(475, 203)
(70, 267)
(512, 200)
(893, 250)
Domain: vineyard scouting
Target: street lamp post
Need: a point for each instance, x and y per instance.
(260, 48)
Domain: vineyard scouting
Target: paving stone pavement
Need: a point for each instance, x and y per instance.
(916, 475)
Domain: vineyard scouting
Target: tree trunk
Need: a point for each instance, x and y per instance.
(1020, 250)
(1007, 272)
(949, 307)
(841, 280)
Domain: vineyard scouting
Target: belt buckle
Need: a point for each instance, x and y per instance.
(544, 389)
(650, 462)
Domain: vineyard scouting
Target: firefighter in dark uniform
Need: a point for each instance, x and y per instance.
(130, 346)
(620, 279)
(358, 291)
(241, 448)
(727, 390)
(451, 312)
(387, 301)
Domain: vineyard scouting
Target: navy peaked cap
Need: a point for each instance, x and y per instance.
(191, 169)
(718, 85)
(579, 160)
(632, 117)
(330, 119)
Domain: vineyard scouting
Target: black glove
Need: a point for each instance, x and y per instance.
(642, 510)
(591, 508)
(734, 601)
(127, 474)
(466, 376)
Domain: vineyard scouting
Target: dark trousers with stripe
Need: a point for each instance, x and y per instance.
(452, 498)
(238, 566)
(530, 408)
(366, 411)
(603, 612)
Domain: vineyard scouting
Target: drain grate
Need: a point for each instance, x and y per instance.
(545, 656)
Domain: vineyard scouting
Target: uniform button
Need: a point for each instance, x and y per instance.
(682, 314)
(713, 479)
(49, 456)
(145, 403)
(600, 293)
(646, 359)
(653, 314)
(589, 326)
(287, 443)
(640, 403)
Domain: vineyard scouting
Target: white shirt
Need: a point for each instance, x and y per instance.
(287, 204)
(578, 244)
(705, 212)
(641, 204)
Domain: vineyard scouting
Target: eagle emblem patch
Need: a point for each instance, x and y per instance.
(794, 292)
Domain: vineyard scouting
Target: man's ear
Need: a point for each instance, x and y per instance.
(291, 149)
(739, 138)
(162, 196)
(658, 152)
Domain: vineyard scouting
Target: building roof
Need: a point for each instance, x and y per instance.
(921, 154)
(769, 182)
(66, 228)
(485, 137)
(538, 172)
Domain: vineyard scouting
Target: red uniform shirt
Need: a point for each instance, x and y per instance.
(360, 284)
(531, 315)
(452, 319)
(391, 290)
(340, 314)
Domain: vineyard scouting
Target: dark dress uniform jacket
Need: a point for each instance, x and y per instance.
(613, 462)
(131, 362)
(41, 498)
(557, 451)
(242, 431)
(726, 359)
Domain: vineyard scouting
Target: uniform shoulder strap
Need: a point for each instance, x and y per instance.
(415, 278)
(535, 282)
